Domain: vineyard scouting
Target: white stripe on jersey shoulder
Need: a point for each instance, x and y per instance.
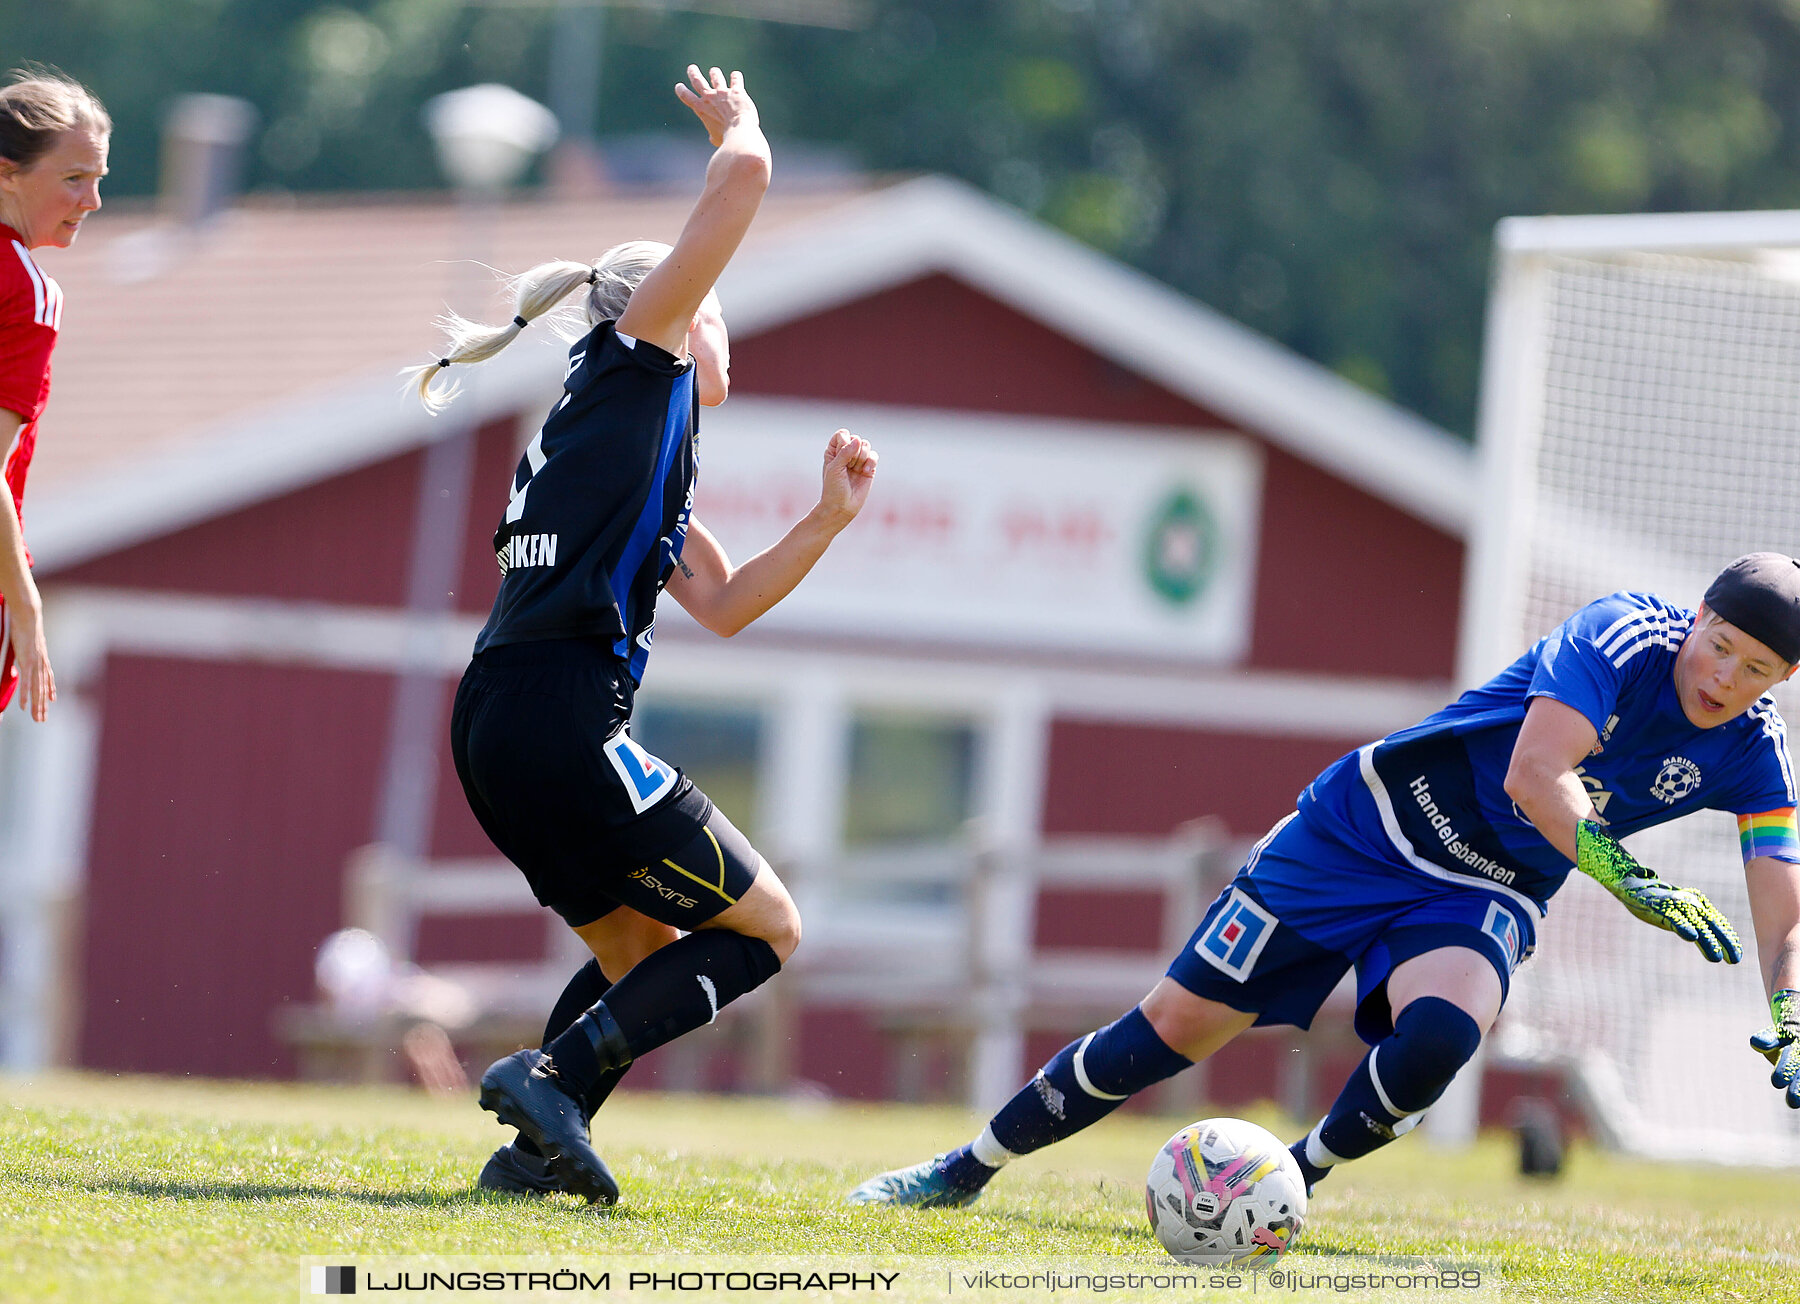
(629, 341)
(1605, 636)
(1622, 633)
(37, 281)
(1390, 822)
(1628, 626)
(1644, 624)
(1774, 728)
(1661, 630)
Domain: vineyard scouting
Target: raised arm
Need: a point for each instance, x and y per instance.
(663, 305)
(24, 609)
(725, 598)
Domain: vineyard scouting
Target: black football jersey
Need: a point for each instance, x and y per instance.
(600, 502)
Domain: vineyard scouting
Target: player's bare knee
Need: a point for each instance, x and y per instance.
(765, 912)
(623, 952)
(623, 937)
(1188, 1024)
(1460, 975)
(783, 932)
(778, 918)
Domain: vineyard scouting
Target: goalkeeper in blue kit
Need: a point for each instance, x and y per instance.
(1426, 860)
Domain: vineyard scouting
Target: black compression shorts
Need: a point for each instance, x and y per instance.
(540, 739)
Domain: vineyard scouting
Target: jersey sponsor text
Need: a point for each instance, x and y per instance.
(527, 550)
(1452, 840)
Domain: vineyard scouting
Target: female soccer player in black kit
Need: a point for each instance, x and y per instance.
(621, 845)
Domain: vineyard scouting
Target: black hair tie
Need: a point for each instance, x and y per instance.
(442, 363)
(520, 322)
(593, 276)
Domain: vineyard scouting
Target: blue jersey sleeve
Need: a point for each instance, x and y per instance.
(1581, 664)
(1766, 774)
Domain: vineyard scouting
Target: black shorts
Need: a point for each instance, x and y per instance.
(541, 742)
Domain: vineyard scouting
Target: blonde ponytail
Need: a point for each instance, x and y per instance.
(610, 283)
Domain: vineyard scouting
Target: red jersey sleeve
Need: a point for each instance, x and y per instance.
(30, 304)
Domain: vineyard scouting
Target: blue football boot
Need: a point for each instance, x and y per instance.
(923, 1186)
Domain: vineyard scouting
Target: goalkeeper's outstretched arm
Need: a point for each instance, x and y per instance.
(1774, 887)
(1541, 780)
(1775, 906)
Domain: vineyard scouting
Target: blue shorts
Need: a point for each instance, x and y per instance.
(1305, 908)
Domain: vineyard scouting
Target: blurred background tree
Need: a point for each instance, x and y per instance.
(1326, 171)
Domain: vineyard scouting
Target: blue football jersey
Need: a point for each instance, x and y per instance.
(1431, 797)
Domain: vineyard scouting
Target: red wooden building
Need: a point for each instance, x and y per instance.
(1127, 564)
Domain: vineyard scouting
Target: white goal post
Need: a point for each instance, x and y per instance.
(1639, 428)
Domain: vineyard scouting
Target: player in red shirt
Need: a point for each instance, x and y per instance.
(53, 141)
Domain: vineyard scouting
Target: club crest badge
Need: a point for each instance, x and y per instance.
(1677, 778)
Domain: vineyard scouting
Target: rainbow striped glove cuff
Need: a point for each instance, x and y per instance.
(1680, 910)
(1779, 1043)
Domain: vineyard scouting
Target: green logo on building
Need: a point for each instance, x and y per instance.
(1181, 548)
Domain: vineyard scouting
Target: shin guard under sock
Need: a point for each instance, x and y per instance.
(671, 991)
(1401, 1077)
(1083, 1083)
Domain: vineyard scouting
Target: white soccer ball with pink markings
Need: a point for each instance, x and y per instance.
(1224, 1192)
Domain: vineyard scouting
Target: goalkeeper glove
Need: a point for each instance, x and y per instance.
(1682, 911)
(1779, 1043)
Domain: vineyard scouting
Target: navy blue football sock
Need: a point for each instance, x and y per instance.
(1083, 1083)
(671, 991)
(1398, 1079)
(587, 986)
(964, 1171)
(1308, 1169)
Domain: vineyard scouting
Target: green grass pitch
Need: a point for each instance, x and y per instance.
(134, 1189)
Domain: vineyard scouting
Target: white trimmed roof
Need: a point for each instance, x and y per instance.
(196, 378)
(935, 224)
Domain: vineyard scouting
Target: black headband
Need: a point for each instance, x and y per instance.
(1760, 594)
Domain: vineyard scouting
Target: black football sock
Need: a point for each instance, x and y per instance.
(587, 986)
(669, 992)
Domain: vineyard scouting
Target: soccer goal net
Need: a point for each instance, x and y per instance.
(1640, 427)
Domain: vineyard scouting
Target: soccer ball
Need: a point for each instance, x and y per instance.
(1225, 1192)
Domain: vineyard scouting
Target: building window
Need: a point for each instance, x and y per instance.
(719, 746)
(911, 779)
